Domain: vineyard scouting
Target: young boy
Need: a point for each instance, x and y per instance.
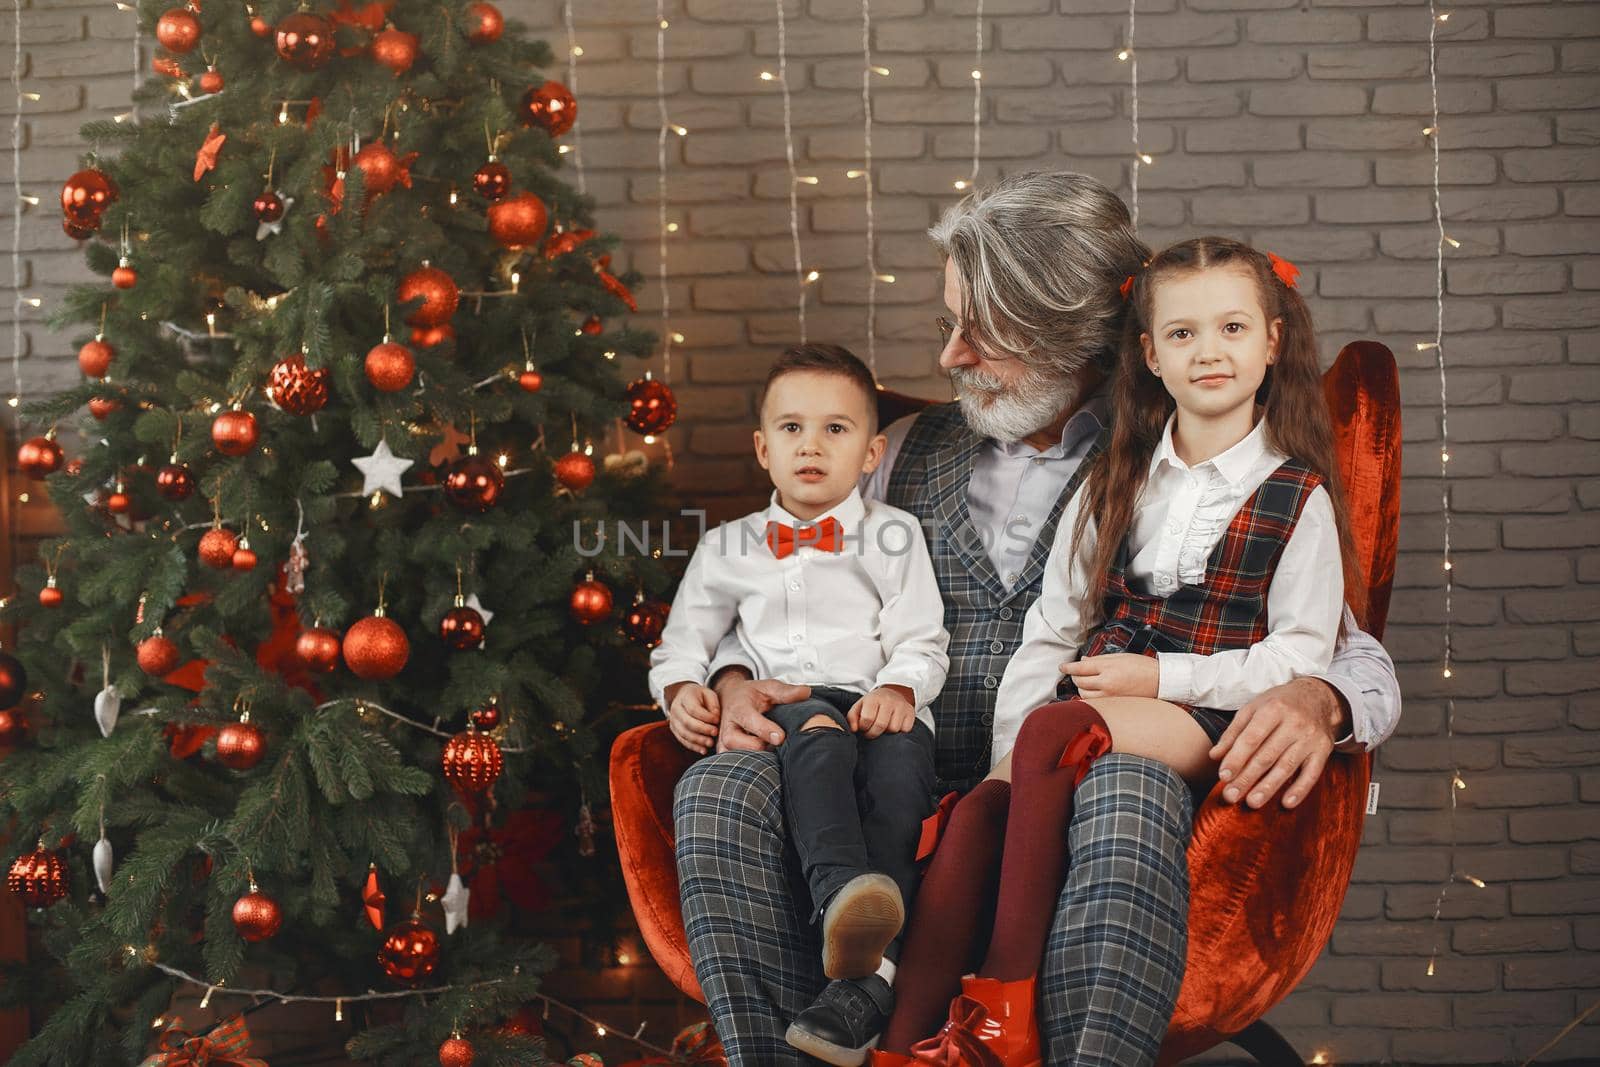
(827, 590)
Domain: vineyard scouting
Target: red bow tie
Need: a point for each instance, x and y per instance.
(826, 535)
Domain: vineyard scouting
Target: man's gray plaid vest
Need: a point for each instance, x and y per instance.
(930, 477)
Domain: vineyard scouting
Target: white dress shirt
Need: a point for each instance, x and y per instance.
(1180, 516)
(866, 616)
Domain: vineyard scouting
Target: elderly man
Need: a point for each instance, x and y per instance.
(1032, 272)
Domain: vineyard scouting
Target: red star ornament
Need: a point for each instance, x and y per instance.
(206, 158)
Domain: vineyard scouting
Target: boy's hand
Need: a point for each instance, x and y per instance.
(1121, 674)
(694, 714)
(887, 709)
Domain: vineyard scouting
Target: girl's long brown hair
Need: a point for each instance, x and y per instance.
(1296, 413)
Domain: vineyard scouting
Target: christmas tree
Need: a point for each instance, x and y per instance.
(320, 614)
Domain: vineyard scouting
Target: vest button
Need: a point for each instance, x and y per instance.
(996, 646)
(987, 718)
(1005, 613)
(990, 681)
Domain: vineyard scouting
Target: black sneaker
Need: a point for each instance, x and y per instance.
(858, 924)
(843, 1024)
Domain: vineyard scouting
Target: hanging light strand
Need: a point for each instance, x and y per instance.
(866, 176)
(977, 93)
(794, 177)
(661, 188)
(573, 52)
(1132, 57)
(16, 217)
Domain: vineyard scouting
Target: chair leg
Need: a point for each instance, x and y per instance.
(1266, 1046)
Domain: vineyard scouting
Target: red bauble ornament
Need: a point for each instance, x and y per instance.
(269, 207)
(102, 406)
(438, 292)
(305, 41)
(492, 181)
(244, 559)
(211, 81)
(94, 358)
(86, 195)
(124, 276)
(575, 471)
(428, 336)
(118, 503)
(456, 1052)
(178, 30)
(175, 482)
(13, 680)
(376, 647)
(461, 628)
(372, 898)
(157, 655)
(296, 388)
(80, 231)
(518, 221)
(50, 594)
(241, 745)
(39, 878)
(530, 379)
(39, 456)
(234, 432)
(395, 49)
(382, 170)
(257, 916)
(592, 326)
(13, 726)
(551, 107)
(318, 649)
(217, 546)
(651, 406)
(390, 366)
(474, 483)
(260, 26)
(410, 951)
(590, 601)
(486, 717)
(485, 24)
(645, 620)
(472, 761)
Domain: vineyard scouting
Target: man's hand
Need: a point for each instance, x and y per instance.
(745, 726)
(1121, 674)
(887, 709)
(694, 712)
(1286, 733)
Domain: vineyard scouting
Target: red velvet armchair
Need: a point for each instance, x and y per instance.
(1265, 886)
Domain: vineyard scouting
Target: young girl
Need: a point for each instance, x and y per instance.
(1168, 606)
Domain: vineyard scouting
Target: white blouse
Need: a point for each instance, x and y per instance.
(1181, 515)
(866, 616)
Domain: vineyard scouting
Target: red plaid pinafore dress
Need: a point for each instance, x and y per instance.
(1226, 611)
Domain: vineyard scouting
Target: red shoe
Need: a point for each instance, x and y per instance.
(991, 1024)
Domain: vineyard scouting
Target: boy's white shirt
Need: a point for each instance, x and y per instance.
(1181, 515)
(866, 616)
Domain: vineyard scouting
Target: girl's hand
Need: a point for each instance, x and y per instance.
(887, 709)
(1121, 674)
(694, 714)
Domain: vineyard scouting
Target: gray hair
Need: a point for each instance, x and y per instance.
(1040, 259)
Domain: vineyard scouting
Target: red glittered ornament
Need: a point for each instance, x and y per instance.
(178, 30)
(241, 745)
(485, 24)
(644, 621)
(461, 628)
(575, 471)
(86, 195)
(38, 878)
(175, 482)
(590, 601)
(257, 916)
(551, 107)
(318, 648)
(124, 276)
(410, 951)
(428, 336)
(492, 181)
(486, 717)
(217, 546)
(436, 289)
(390, 366)
(157, 655)
(518, 221)
(651, 406)
(592, 326)
(50, 595)
(211, 81)
(456, 1052)
(268, 207)
(474, 483)
(39, 456)
(381, 169)
(95, 357)
(102, 406)
(395, 49)
(234, 432)
(472, 761)
(305, 41)
(376, 647)
(296, 388)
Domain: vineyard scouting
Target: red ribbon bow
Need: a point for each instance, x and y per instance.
(783, 539)
(1126, 287)
(959, 1043)
(1287, 272)
(222, 1047)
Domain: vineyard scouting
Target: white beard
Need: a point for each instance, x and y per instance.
(1012, 411)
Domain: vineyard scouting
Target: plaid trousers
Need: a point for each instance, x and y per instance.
(1112, 967)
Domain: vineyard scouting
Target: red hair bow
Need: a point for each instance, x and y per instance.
(1287, 272)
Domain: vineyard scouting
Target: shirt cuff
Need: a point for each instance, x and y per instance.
(658, 689)
(1351, 742)
(915, 681)
(1176, 681)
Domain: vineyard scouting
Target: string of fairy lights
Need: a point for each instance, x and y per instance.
(868, 72)
(800, 275)
(574, 50)
(1140, 157)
